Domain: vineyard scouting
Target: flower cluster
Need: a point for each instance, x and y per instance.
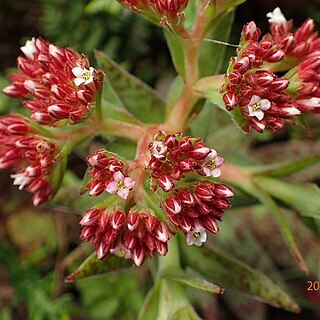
(108, 174)
(131, 235)
(169, 11)
(298, 44)
(33, 155)
(260, 94)
(266, 100)
(305, 80)
(197, 208)
(172, 156)
(57, 83)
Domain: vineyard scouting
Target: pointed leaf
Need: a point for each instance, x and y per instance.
(191, 281)
(212, 54)
(131, 93)
(259, 222)
(110, 111)
(286, 167)
(305, 198)
(234, 274)
(186, 313)
(150, 306)
(93, 266)
(253, 188)
(175, 45)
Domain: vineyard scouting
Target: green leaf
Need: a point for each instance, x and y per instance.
(93, 266)
(150, 306)
(110, 111)
(129, 92)
(191, 281)
(282, 223)
(172, 298)
(286, 167)
(173, 94)
(212, 54)
(244, 307)
(176, 45)
(259, 222)
(186, 313)
(234, 274)
(305, 198)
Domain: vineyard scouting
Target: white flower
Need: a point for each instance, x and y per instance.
(257, 106)
(276, 16)
(82, 75)
(158, 149)
(120, 251)
(120, 185)
(21, 180)
(29, 49)
(211, 164)
(197, 236)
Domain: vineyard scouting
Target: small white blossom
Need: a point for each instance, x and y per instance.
(211, 164)
(121, 251)
(276, 16)
(158, 149)
(257, 106)
(29, 49)
(197, 236)
(20, 179)
(82, 75)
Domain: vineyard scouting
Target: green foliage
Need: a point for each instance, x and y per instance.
(234, 274)
(32, 289)
(133, 95)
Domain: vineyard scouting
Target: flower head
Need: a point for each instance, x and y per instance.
(108, 174)
(128, 235)
(33, 157)
(197, 209)
(55, 83)
(173, 156)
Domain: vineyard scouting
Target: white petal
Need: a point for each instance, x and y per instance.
(78, 81)
(207, 171)
(77, 71)
(258, 114)
(219, 161)
(265, 104)
(112, 187)
(118, 176)
(215, 173)
(123, 193)
(129, 183)
(211, 155)
(254, 99)
(250, 111)
(89, 80)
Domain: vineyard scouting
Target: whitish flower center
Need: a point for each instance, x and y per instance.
(196, 235)
(121, 185)
(211, 164)
(121, 252)
(256, 106)
(86, 75)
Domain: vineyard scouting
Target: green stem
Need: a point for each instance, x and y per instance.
(123, 129)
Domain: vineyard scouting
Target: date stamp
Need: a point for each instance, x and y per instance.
(313, 285)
